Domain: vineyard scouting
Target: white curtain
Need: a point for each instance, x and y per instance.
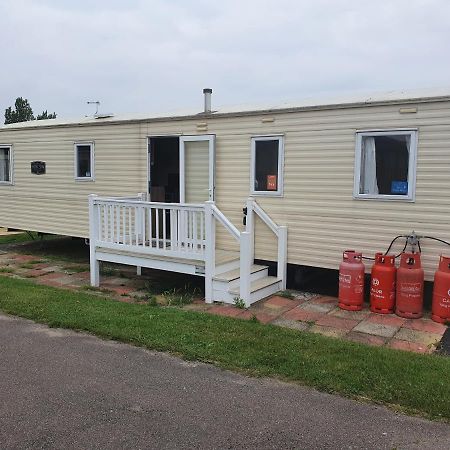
(4, 164)
(408, 143)
(368, 181)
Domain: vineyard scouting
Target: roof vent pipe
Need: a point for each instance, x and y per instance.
(207, 93)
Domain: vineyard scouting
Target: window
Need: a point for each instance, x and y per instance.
(267, 166)
(385, 165)
(84, 161)
(5, 164)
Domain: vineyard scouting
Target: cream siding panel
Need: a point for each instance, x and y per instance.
(318, 207)
(55, 202)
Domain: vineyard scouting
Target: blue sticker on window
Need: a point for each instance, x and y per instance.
(399, 187)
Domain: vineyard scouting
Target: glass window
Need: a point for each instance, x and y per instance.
(267, 165)
(385, 165)
(5, 164)
(84, 161)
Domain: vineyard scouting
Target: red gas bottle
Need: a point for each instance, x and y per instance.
(351, 281)
(382, 284)
(410, 279)
(440, 309)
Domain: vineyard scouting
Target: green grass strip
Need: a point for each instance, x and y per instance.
(409, 382)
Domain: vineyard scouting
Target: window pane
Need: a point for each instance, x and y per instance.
(266, 165)
(4, 164)
(384, 165)
(84, 161)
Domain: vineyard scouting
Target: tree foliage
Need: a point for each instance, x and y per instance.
(23, 112)
(46, 115)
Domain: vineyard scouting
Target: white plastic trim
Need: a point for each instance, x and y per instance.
(92, 154)
(280, 174)
(10, 182)
(412, 166)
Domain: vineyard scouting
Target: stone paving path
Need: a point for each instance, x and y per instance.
(296, 310)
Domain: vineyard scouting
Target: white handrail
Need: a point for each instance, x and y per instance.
(218, 214)
(280, 232)
(265, 218)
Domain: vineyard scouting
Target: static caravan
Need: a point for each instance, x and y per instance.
(217, 192)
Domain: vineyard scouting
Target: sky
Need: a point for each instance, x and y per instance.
(137, 56)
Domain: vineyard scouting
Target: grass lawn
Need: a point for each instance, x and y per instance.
(409, 382)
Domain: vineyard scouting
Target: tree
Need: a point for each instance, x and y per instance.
(24, 113)
(46, 115)
(21, 113)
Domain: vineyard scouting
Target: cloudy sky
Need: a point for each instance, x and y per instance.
(157, 55)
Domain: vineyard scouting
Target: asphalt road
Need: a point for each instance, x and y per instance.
(61, 390)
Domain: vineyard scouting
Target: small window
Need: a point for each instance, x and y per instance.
(84, 161)
(5, 164)
(385, 165)
(267, 166)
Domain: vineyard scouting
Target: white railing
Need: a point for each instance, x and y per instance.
(280, 232)
(177, 230)
(212, 215)
(166, 229)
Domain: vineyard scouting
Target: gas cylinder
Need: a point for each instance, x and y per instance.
(440, 309)
(410, 279)
(351, 281)
(382, 284)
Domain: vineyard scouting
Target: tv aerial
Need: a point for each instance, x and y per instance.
(97, 104)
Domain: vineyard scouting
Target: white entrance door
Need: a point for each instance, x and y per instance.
(197, 155)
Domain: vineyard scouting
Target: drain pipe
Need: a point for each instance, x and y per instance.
(207, 93)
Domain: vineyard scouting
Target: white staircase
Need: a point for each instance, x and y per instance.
(226, 283)
(182, 238)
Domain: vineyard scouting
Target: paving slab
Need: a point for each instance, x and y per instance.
(353, 315)
(301, 314)
(337, 322)
(420, 337)
(328, 331)
(227, 311)
(293, 324)
(263, 317)
(376, 329)
(324, 299)
(278, 302)
(317, 307)
(386, 319)
(364, 338)
(425, 325)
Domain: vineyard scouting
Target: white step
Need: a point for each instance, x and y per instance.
(224, 282)
(259, 285)
(228, 266)
(234, 274)
(260, 289)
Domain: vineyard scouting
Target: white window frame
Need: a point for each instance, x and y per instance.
(280, 175)
(75, 149)
(11, 163)
(412, 166)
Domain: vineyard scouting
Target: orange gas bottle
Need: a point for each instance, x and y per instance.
(440, 309)
(351, 281)
(382, 284)
(410, 279)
